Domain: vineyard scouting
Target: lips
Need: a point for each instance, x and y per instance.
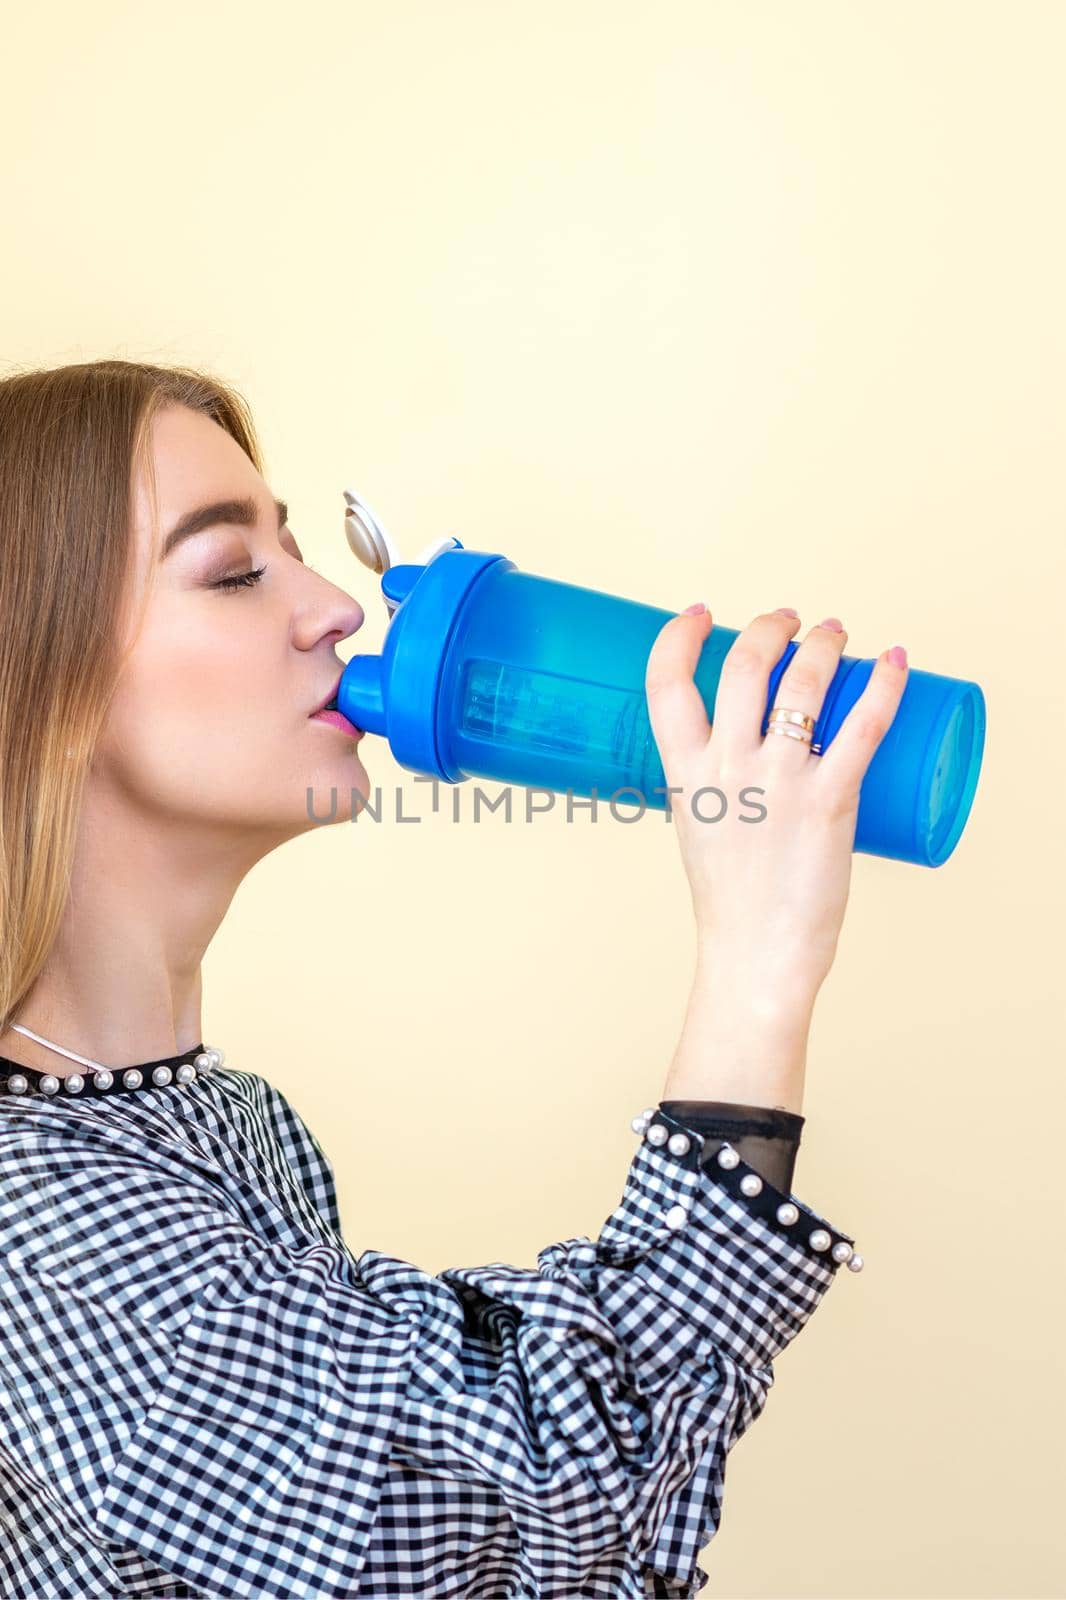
(336, 720)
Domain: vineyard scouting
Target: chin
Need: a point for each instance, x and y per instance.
(336, 795)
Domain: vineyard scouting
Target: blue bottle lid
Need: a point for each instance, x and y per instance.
(397, 693)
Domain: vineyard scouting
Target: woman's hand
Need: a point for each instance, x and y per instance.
(769, 895)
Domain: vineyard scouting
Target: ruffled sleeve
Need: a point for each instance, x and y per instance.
(305, 1421)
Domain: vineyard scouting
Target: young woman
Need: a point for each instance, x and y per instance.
(205, 1391)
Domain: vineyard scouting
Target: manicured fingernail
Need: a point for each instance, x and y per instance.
(694, 611)
(898, 656)
(832, 622)
(786, 611)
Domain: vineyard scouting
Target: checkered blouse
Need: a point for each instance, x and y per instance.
(206, 1393)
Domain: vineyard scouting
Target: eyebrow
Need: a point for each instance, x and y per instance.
(237, 513)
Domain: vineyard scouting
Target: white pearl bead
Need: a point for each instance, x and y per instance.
(855, 1263)
(103, 1079)
(219, 1055)
(728, 1158)
(49, 1084)
(787, 1213)
(161, 1074)
(74, 1084)
(841, 1250)
(678, 1144)
(17, 1083)
(657, 1134)
(649, 1112)
(204, 1061)
(751, 1184)
(676, 1217)
(820, 1240)
(185, 1073)
(639, 1125)
(132, 1078)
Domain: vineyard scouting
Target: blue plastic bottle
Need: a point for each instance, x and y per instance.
(490, 672)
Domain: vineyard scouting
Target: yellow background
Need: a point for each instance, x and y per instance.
(760, 304)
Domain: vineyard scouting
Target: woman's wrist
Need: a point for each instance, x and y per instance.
(742, 1041)
(762, 989)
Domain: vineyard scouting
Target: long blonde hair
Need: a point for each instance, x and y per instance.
(71, 439)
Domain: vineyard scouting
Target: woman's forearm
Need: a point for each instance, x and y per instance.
(742, 1040)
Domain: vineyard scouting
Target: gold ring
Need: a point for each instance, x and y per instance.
(790, 733)
(801, 718)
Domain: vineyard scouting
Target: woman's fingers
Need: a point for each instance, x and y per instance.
(844, 764)
(804, 684)
(744, 682)
(679, 719)
(676, 710)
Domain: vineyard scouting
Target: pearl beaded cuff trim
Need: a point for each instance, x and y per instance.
(721, 1162)
(26, 1082)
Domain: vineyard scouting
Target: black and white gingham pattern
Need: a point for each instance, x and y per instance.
(205, 1393)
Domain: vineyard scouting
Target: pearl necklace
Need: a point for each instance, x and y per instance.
(179, 1069)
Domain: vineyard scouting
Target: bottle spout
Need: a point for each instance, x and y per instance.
(359, 694)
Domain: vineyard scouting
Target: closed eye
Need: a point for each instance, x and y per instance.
(241, 580)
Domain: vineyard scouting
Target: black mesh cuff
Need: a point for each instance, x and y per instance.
(766, 1137)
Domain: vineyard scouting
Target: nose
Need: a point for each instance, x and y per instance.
(350, 614)
(332, 613)
(355, 615)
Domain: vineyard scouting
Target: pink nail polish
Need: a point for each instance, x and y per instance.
(694, 611)
(786, 611)
(898, 656)
(834, 623)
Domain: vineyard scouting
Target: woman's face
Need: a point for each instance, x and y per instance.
(210, 730)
